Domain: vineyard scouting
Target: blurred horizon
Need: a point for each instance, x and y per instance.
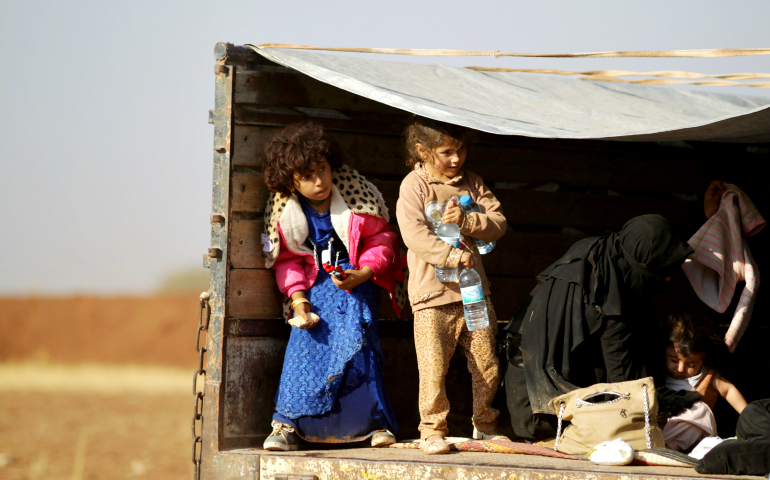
(104, 141)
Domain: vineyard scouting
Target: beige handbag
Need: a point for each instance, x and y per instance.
(606, 411)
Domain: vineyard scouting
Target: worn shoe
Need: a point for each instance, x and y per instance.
(435, 446)
(282, 438)
(383, 438)
(493, 435)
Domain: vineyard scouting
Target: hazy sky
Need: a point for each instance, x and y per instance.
(105, 148)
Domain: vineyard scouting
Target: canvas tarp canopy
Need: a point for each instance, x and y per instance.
(536, 105)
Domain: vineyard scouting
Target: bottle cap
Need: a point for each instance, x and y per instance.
(465, 200)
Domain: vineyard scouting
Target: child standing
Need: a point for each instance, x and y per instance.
(321, 215)
(437, 153)
(692, 343)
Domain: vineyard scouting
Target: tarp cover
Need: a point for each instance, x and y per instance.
(536, 105)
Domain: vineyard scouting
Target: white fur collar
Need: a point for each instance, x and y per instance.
(295, 227)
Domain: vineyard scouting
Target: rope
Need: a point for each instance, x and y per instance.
(609, 76)
(624, 73)
(655, 81)
(702, 53)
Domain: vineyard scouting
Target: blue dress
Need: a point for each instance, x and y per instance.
(331, 387)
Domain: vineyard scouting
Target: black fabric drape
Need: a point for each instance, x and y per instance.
(585, 320)
(750, 453)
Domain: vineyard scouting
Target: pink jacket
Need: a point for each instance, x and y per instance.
(369, 240)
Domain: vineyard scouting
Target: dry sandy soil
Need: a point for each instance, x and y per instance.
(96, 388)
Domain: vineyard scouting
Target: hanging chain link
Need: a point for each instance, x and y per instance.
(204, 315)
(558, 427)
(646, 416)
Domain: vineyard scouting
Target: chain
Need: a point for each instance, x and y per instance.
(646, 416)
(558, 427)
(204, 315)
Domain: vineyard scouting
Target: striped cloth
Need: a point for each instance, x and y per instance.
(722, 259)
(492, 446)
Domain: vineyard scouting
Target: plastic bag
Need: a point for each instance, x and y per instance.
(299, 322)
(612, 452)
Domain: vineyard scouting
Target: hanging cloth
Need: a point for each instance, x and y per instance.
(722, 258)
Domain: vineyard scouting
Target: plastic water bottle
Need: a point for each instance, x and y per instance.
(476, 315)
(450, 233)
(468, 206)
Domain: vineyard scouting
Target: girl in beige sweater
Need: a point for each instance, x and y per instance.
(437, 152)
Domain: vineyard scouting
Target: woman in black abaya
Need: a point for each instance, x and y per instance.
(589, 319)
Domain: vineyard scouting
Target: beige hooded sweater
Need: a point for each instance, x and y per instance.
(426, 249)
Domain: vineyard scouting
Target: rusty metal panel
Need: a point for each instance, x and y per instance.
(221, 116)
(226, 466)
(387, 463)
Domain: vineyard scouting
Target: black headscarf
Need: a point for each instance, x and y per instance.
(631, 265)
(613, 276)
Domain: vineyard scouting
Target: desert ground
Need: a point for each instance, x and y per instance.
(97, 388)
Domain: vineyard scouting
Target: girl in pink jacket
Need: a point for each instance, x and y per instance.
(327, 238)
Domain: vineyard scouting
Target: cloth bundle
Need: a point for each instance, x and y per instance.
(722, 259)
(750, 453)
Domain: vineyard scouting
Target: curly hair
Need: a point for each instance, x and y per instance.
(297, 149)
(432, 134)
(691, 334)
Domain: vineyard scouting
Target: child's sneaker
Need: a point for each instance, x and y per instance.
(383, 438)
(493, 435)
(282, 438)
(434, 445)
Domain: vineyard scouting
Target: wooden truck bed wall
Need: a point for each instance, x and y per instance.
(553, 192)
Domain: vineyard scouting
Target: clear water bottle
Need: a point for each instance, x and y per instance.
(476, 315)
(468, 206)
(450, 233)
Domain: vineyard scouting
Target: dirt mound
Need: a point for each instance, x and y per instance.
(151, 330)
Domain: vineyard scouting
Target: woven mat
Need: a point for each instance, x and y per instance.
(492, 446)
(663, 457)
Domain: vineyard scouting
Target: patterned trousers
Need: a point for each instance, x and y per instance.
(437, 332)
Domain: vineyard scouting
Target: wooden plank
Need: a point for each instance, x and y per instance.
(521, 207)
(252, 293)
(245, 244)
(585, 211)
(508, 294)
(357, 122)
(522, 254)
(276, 327)
(249, 193)
(526, 254)
(292, 89)
(369, 154)
(235, 53)
(532, 161)
(562, 209)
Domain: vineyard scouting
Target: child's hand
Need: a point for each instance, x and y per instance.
(302, 310)
(467, 260)
(454, 214)
(355, 278)
(712, 197)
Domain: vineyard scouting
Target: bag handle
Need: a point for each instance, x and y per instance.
(626, 395)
